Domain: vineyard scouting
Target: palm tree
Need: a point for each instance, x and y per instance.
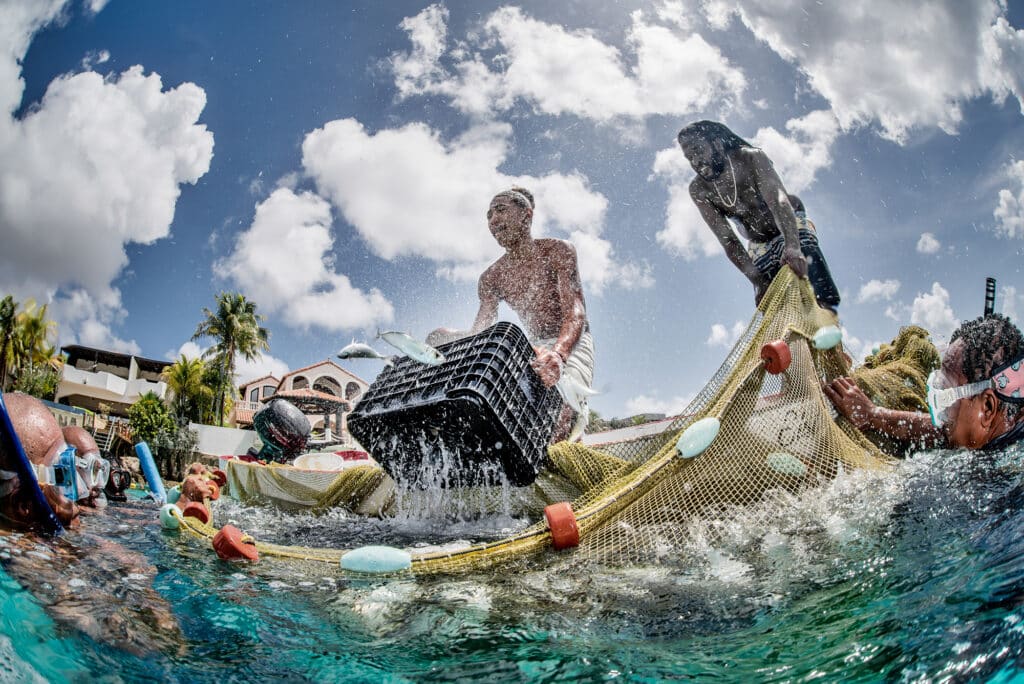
(236, 328)
(191, 395)
(30, 344)
(8, 323)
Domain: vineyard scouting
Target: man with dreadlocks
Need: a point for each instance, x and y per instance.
(737, 181)
(974, 399)
(539, 279)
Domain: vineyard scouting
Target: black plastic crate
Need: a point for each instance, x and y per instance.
(480, 416)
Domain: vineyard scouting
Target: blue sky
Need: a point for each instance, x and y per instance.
(334, 162)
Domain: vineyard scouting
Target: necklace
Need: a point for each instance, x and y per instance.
(735, 191)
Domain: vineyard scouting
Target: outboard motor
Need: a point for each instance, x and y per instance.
(284, 430)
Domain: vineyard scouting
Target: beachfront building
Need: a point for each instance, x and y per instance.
(324, 391)
(252, 395)
(107, 382)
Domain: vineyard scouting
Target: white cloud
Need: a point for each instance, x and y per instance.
(857, 348)
(95, 166)
(539, 63)
(645, 404)
(264, 365)
(82, 320)
(19, 21)
(871, 67)
(721, 336)
(932, 312)
(1010, 212)
(675, 12)
(798, 158)
(928, 244)
(876, 290)
(245, 370)
(408, 193)
(598, 268)
(190, 350)
(284, 261)
(685, 233)
(1008, 302)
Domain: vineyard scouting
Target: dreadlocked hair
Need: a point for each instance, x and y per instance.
(989, 342)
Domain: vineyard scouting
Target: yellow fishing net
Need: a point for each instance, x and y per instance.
(777, 437)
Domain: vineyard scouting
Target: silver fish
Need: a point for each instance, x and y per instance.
(580, 424)
(361, 350)
(414, 349)
(573, 391)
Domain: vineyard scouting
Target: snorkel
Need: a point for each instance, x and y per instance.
(18, 481)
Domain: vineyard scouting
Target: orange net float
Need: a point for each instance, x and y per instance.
(233, 544)
(214, 490)
(565, 533)
(776, 356)
(194, 509)
(219, 476)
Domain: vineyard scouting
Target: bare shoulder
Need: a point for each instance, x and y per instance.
(557, 248)
(749, 158)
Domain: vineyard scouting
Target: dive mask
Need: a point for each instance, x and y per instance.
(1007, 382)
(61, 474)
(93, 471)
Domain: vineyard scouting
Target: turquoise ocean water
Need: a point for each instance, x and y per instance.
(918, 575)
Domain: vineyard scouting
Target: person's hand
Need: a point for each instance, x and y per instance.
(850, 401)
(794, 258)
(548, 365)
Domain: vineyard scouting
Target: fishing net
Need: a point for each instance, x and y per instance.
(778, 436)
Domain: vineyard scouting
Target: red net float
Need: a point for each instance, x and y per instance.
(565, 533)
(233, 544)
(776, 356)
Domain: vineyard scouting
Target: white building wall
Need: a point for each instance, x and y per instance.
(223, 441)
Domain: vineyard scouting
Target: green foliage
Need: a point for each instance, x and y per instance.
(25, 341)
(38, 380)
(193, 395)
(149, 417)
(235, 328)
(8, 309)
(173, 450)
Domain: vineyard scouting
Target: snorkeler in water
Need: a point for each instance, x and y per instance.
(974, 399)
(87, 580)
(52, 464)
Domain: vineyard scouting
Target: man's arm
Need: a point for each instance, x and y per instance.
(770, 187)
(548, 363)
(907, 426)
(722, 229)
(487, 315)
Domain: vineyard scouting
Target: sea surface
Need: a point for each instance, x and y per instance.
(916, 575)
